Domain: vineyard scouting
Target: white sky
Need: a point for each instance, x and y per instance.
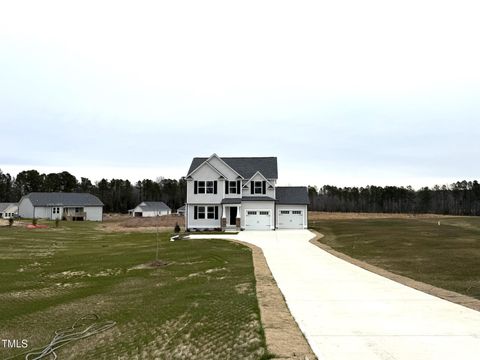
(342, 92)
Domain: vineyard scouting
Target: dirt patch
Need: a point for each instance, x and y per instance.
(284, 338)
(151, 265)
(125, 223)
(319, 215)
(452, 296)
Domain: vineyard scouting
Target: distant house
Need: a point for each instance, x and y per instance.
(181, 210)
(8, 210)
(59, 205)
(150, 209)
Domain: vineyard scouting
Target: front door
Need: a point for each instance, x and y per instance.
(233, 216)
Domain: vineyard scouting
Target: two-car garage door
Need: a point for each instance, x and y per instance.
(290, 219)
(258, 220)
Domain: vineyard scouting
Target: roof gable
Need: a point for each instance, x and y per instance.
(245, 166)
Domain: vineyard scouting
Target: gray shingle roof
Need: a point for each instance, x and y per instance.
(231, 201)
(292, 195)
(245, 166)
(153, 206)
(63, 199)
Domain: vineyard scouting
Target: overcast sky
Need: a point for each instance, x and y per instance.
(342, 92)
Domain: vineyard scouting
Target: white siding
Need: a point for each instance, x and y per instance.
(303, 208)
(25, 208)
(257, 205)
(202, 223)
(94, 213)
(205, 173)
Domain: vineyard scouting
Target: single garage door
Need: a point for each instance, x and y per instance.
(290, 219)
(257, 220)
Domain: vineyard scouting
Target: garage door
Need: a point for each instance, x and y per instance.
(257, 220)
(290, 219)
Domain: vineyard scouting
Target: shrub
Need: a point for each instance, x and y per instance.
(177, 228)
(34, 221)
(10, 221)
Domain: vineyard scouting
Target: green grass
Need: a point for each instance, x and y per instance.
(202, 304)
(446, 256)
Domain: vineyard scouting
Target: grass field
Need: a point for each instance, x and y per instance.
(200, 305)
(445, 255)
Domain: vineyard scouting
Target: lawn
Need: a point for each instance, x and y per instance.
(200, 305)
(445, 255)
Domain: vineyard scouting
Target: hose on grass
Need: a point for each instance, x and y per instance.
(78, 331)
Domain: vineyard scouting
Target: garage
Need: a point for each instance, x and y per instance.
(290, 219)
(258, 220)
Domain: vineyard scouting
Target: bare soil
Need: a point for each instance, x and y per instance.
(126, 223)
(452, 296)
(284, 338)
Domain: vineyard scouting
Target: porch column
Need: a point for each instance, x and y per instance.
(237, 220)
(224, 217)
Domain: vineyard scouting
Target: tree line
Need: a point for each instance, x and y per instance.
(118, 195)
(460, 198)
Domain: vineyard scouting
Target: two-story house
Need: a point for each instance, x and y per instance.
(241, 193)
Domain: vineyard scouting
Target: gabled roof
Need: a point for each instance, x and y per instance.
(63, 199)
(245, 166)
(292, 195)
(4, 206)
(153, 206)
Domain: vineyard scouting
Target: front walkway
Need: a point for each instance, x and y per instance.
(347, 312)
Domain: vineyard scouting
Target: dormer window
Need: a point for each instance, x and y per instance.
(258, 187)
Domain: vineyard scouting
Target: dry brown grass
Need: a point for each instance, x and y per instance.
(320, 215)
(126, 223)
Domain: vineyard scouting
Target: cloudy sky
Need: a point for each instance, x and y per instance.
(342, 92)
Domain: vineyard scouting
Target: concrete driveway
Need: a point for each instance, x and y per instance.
(347, 312)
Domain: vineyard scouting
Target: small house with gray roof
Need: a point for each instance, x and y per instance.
(242, 193)
(150, 209)
(8, 210)
(61, 205)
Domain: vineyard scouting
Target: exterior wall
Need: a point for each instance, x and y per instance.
(192, 223)
(25, 208)
(94, 213)
(153, 213)
(293, 207)
(257, 205)
(205, 173)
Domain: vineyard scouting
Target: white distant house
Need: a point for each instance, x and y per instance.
(242, 193)
(150, 209)
(8, 210)
(59, 205)
(181, 210)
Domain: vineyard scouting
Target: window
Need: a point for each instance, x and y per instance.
(258, 187)
(205, 187)
(232, 187)
(264, 213)
(209, 187)
(201, 212)
(284, 212)
(251, 213)
(211, 212)
(296, 212)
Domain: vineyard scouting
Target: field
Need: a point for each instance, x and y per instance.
(198, 302)
(436, 250)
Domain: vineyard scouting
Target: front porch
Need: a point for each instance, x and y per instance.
(231, 217)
